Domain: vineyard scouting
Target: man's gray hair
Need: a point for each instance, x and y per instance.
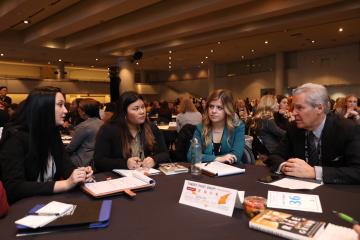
(315, 94)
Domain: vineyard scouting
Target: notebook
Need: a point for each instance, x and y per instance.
(219, 169)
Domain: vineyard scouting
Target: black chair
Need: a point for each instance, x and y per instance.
(248, 156)
(182, 143)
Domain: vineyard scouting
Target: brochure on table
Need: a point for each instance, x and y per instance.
(294, 201)
(294, 184)
(211, 198)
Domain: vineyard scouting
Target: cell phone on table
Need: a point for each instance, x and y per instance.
(270, 178)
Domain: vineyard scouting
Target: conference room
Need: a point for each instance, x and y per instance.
(178, 59)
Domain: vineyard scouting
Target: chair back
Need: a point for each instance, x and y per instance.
(248, 156)
(182, 142)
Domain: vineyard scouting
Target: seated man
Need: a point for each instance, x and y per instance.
(321, 146)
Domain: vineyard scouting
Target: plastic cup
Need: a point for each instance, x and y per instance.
(254, 205)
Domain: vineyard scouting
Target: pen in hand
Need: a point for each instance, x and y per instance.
(345, 217)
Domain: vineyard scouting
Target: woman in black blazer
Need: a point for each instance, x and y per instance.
(129, 140)
(32, 155)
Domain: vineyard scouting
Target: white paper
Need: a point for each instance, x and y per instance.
(294, 184)
(163, 127)
(335, 232)
(220, 169)
(294, 201)
(55, 207)
(35, 221)
(127, 172)
(209, 197)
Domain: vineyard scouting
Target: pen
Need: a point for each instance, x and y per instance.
(44, 214)
(207, 163)
(345, 217)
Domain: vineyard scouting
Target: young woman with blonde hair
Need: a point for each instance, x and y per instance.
(188, 114)
(221, 133)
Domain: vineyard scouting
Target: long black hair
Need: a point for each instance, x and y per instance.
(36, 116)
(119, 118)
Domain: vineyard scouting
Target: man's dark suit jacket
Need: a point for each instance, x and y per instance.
(340, 150)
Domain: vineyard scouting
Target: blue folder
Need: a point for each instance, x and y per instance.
(82, 218)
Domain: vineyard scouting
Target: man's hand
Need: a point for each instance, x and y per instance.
(298, 168)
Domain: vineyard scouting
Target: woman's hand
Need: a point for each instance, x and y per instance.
(148, 162)
(228, 158)
(133, 163)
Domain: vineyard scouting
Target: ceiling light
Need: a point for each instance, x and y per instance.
(169, 63)
(60, 60)
(341, 29)
(96, 59)
(219, 42)
(169, 66)
(242, 57)
(2, 54)
(169, 58)
(312, 41)
(49, 62)
(202, 62)
(26, 21)
(206, 57)
(137, 63)
(252, 50)
(266, 42)
(212, 50)
(170, 52)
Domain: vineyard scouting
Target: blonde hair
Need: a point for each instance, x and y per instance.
(264, 110)
(186, 105)
(228, 103)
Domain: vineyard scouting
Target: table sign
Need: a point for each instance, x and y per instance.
(294, 201)
(211, 198)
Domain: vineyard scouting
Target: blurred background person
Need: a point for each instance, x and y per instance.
(283, 116)
(6, 99)
(188, 114)
(82, 145)
(164, 113)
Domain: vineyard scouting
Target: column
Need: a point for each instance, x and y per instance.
(279, 73)
(211, 76)
(127, 75)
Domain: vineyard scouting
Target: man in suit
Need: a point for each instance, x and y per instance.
(320, 145)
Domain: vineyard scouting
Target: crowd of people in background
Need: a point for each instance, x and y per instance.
(124, 134)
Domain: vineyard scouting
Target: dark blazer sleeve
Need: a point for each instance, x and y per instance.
(108, 155)
(14, 176)
(161, 154)
(341, 153)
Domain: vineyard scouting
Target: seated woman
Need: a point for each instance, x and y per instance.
(264, 124)
(129, 140)
(188, 114)
(82, 145)
(351, 110)
(32, 156)
(221, 133)
(282, 116)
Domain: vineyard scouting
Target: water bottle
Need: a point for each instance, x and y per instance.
(195, 156)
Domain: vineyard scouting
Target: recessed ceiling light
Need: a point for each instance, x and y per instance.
(206, 57)
(170, 52)
(137, 63)
(266, 42)
(60, 60)
(169, 63)
(212, 50)
(1, 54)
(252, 50)
(96, 59)
(49, 62)
(341, 29)
(26, 21)
(202, 62)
(312, 41)
(219, 42)
(169, 58)
(242, 57)
(169, 66)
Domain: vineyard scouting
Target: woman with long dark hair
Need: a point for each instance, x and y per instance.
(32, 157)
(129, 140)
(221, 133)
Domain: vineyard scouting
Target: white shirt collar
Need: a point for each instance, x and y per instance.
(317, 132)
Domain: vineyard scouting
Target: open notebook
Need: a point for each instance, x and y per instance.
(219, 169)
(136, 181)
